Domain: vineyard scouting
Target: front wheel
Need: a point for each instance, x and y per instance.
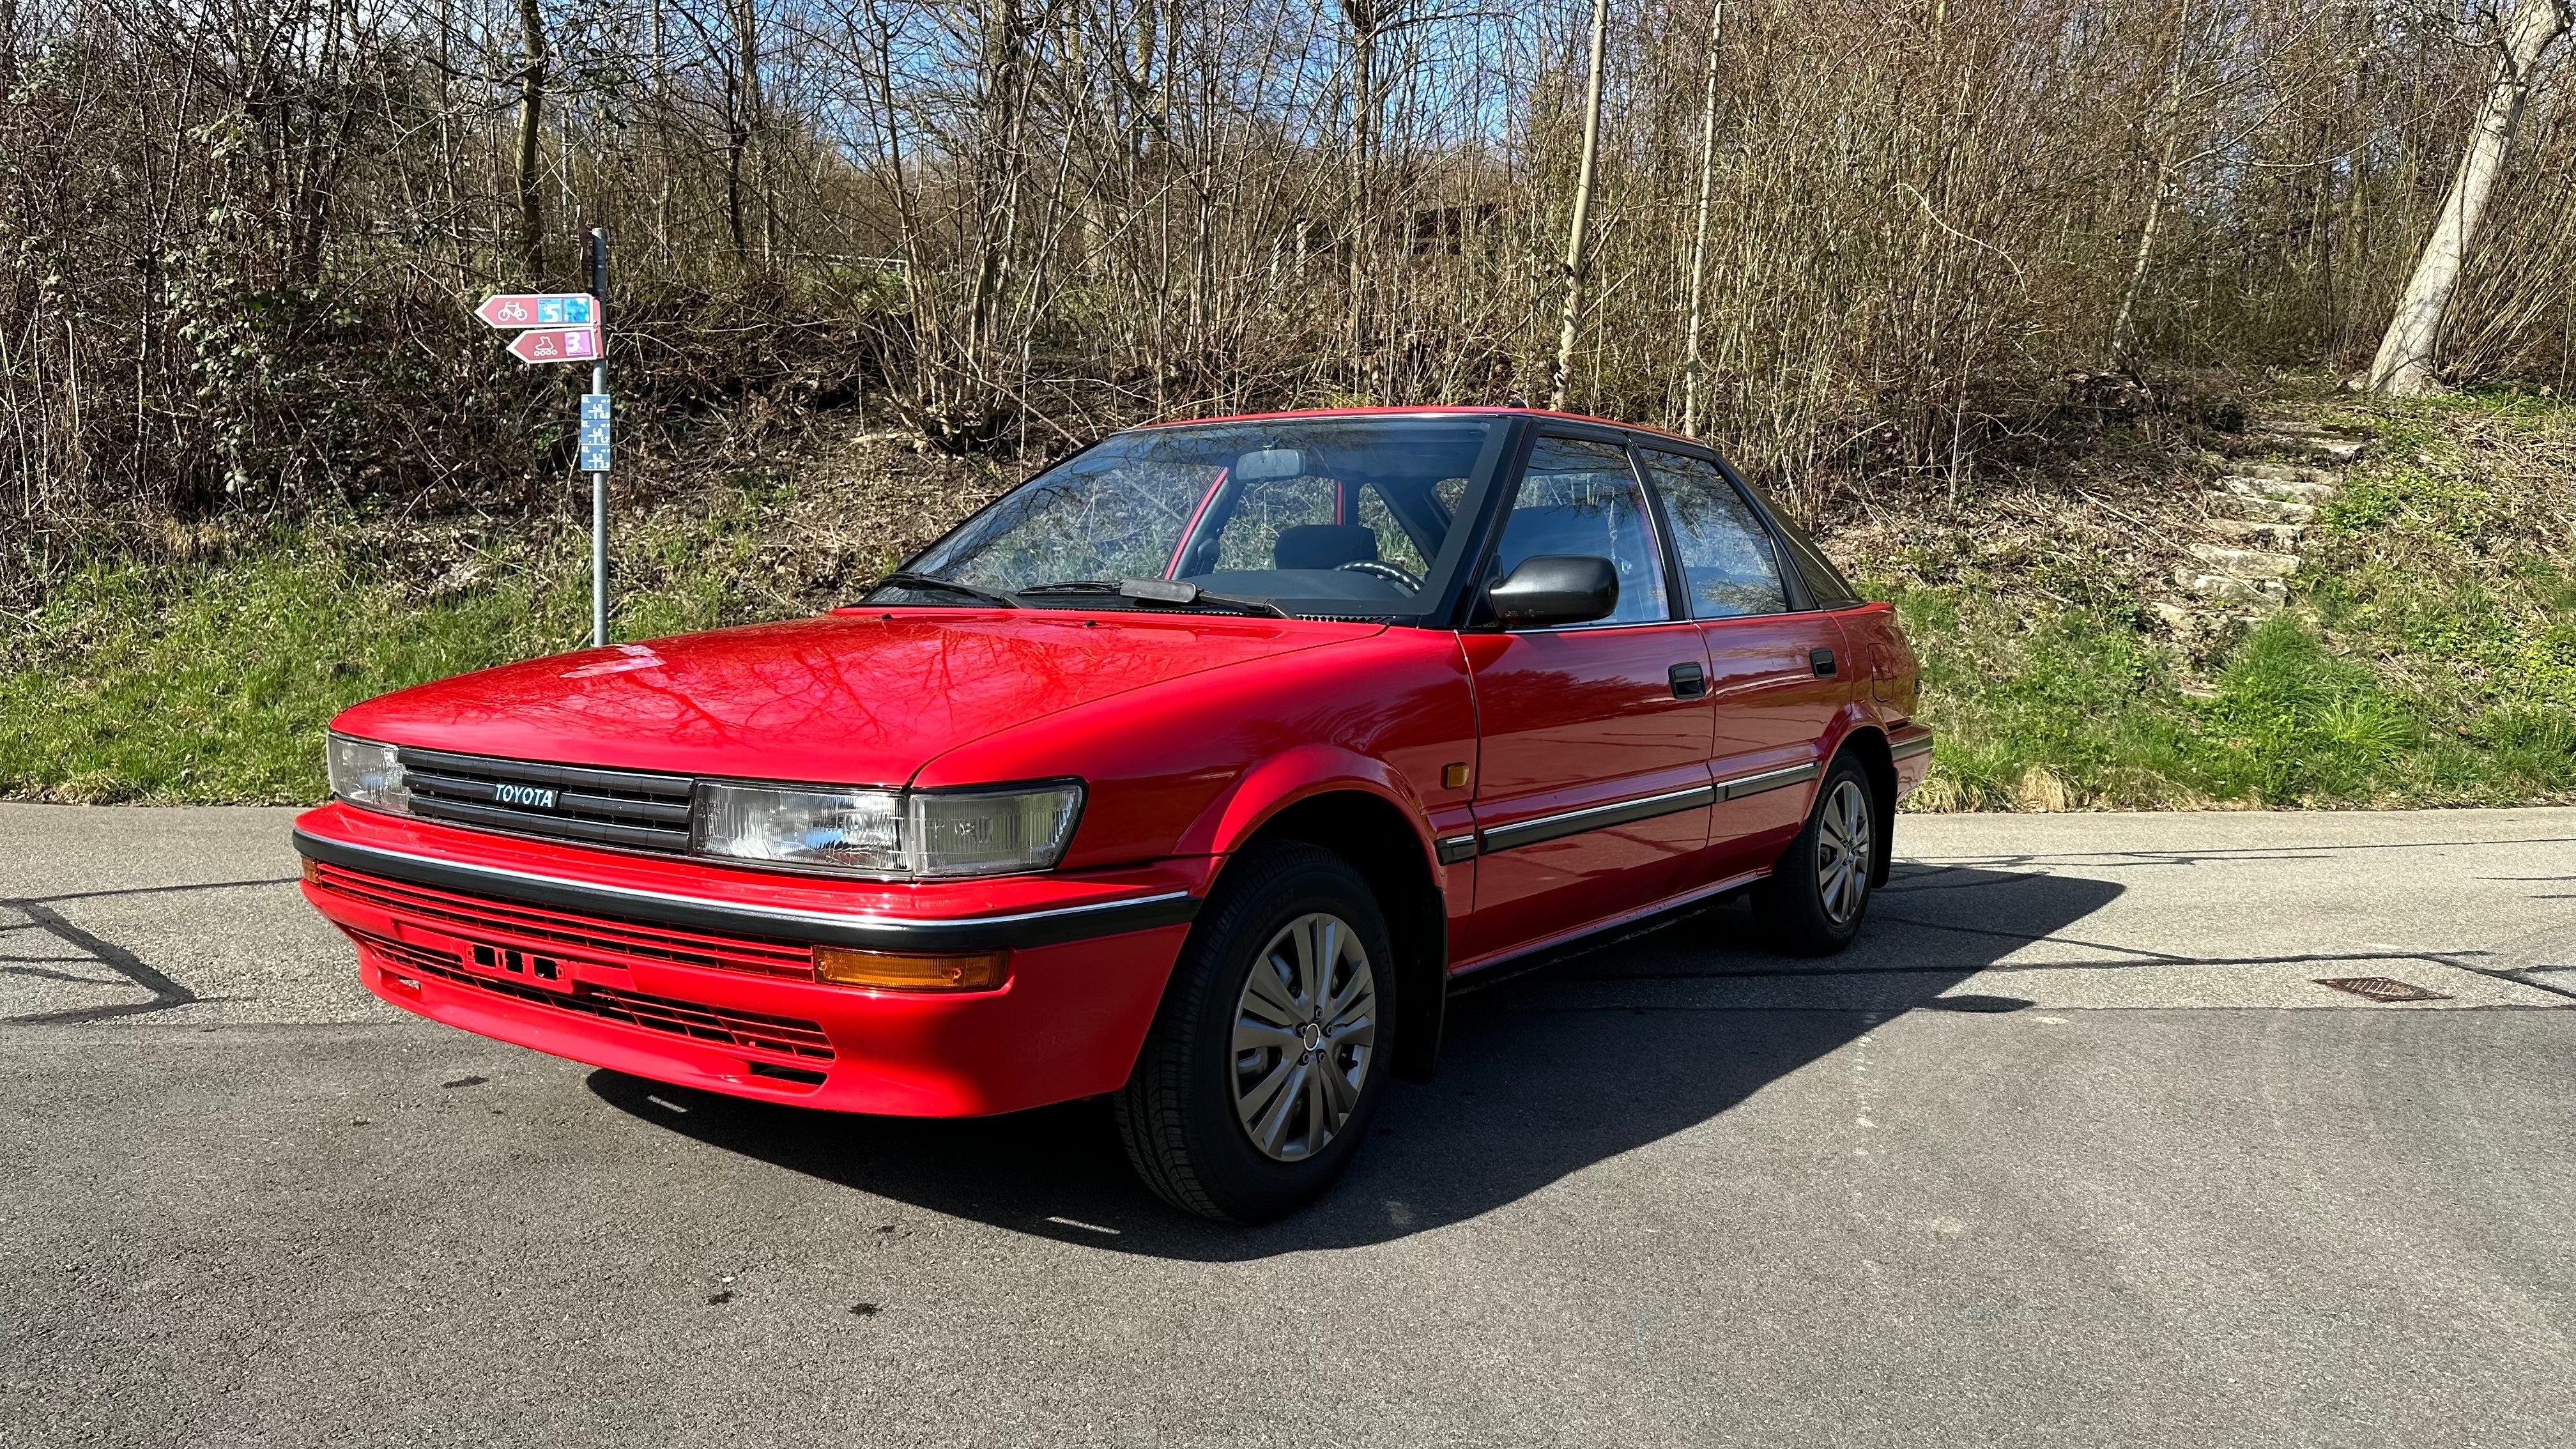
(1269, 1055)
(1813, 901)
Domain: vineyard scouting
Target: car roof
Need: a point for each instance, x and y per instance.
(1440, 411)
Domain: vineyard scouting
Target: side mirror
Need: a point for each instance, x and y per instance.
(1556, 588)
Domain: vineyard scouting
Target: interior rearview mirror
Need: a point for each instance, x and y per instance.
(1556, 588)
(1269, 465)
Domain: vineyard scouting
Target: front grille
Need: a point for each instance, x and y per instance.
(566, 802)
(609, 938)
(784, 1036)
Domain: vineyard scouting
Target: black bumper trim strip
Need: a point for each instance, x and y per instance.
(1908, 749)
(976, 933)
(1599, 817)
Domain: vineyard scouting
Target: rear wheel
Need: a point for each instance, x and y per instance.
(1269, 1054)
(1813, 902)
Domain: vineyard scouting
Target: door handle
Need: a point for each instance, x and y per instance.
(1823, 660)
(1689, 681)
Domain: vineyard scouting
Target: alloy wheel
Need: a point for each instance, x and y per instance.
(1842, 852)
(1305, 1029)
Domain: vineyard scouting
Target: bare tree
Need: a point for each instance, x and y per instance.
(532, 99)
(1574, 230)
(1699, 228)
(1011, 222)
(2404, 363)
(2170, 119)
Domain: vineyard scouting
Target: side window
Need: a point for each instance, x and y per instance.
(1826, 585)
(1265, 510)
(1394, 545)
(1728, 566)
(1579, 497)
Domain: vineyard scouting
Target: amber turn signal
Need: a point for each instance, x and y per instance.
(911, 970)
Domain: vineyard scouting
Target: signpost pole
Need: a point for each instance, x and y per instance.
(573, 327)
(598, 250)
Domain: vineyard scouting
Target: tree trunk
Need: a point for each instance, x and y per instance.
(1364, 20)
(532, 98)
(1699, 236)
(2155, 201)
(1582, 212)
(663, 151)
(2404, 365)
(2138, 260)
(755, 127)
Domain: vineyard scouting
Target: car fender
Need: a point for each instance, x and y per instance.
(1300, 773)
(1190, 768)
(1856, 724)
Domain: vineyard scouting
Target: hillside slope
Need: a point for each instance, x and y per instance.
(2421, 649)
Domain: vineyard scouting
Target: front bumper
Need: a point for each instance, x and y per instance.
(697, 974)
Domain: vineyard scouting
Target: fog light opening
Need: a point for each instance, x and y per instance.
(911, 970)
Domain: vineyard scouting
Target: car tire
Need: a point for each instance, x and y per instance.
(1817, 895)
(1220, 1116)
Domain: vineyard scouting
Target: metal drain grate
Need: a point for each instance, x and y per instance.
(2381, 988)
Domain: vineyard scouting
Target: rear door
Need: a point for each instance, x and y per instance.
(1592, 791)
(1778, 675)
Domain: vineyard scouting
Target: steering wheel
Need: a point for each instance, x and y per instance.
(1376, 569)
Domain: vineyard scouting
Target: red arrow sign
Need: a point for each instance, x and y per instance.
(556, 344)
(539, 309)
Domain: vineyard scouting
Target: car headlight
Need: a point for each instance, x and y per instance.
(888, 832)
(364, 772)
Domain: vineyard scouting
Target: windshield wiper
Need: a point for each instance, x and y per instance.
(903, 579)
(1160, 591)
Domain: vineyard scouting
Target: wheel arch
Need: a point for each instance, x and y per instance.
(1389, 851)
(1867, 743)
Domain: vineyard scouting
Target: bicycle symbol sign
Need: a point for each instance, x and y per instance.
(539, 309)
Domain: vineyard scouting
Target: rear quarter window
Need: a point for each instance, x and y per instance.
(1826, 586)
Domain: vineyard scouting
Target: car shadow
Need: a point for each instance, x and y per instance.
(1542, 1076)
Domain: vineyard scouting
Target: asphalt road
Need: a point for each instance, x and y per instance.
(2071, 1149)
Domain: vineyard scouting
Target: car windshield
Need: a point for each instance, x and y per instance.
(1352, 516)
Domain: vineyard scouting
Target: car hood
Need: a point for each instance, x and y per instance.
(857, 697)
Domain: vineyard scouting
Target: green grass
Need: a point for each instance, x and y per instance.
(201, 682)
(212, 682)
(2082, 711)
(2428, 656)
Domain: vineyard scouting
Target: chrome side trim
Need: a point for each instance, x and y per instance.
(1908, 749)
(1025, 928)
(1743, 785)
(1457, 848)
(1596, 817)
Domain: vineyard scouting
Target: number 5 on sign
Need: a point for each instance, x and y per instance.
(539, 309)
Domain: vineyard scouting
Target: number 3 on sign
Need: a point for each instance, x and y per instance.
(556, 344)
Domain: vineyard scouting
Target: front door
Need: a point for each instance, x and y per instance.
(1592, 790)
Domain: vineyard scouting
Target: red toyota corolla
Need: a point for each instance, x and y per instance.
(1192, 772)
